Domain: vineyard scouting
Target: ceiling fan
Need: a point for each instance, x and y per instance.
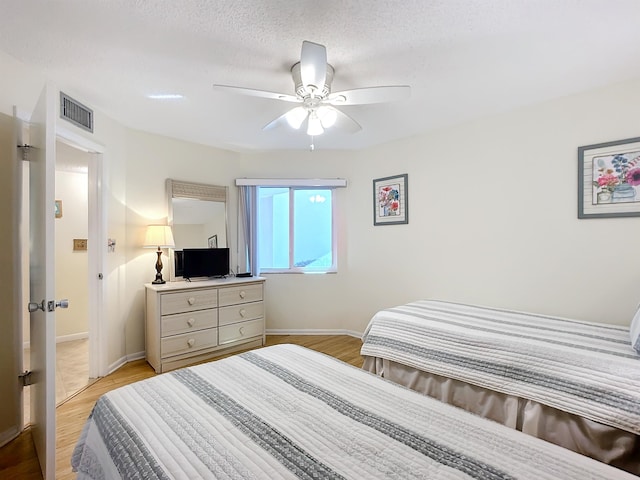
(312, 77)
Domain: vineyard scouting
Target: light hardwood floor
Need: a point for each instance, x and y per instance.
(18, 460)
(72, 371)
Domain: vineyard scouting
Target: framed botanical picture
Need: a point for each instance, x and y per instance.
(609, 179)
(213, 241)
(390, 200)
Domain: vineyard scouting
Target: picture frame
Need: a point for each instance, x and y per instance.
(58, 208)
(609, 179)
(391, 200)
(212, 241)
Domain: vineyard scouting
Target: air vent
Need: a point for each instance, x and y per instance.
(76, 113)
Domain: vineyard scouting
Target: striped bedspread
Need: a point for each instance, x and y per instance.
(587, 369)
(286, 412)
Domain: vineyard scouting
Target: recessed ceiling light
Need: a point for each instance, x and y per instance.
(165, 96)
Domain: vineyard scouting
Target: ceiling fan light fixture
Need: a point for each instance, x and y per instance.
(317, 105)
(296, 116)
(327, 116)
(314, 127)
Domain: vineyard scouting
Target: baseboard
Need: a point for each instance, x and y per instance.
(124, 360)
(64, 338)
(136, 356)
(8, 435)
(312, 331)
(117, 364)
(72, 337)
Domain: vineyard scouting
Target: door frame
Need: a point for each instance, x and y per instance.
(97, 227)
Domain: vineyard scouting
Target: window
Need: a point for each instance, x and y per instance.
(295, 229)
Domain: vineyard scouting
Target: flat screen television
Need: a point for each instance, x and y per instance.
(205, 262)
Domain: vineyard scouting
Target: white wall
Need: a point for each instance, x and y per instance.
(492, 216)
(493, 213)
(150, 161)
(492, 220)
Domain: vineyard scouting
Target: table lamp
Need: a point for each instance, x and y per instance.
(159, 236)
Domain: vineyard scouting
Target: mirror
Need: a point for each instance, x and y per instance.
(197, 214)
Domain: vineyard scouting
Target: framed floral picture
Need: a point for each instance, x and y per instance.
(390, 200)
(609, 179)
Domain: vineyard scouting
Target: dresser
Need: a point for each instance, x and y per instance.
(188, 322)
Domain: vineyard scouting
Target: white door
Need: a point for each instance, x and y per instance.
(42, 279)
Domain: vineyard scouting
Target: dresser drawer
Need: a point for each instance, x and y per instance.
(240, 331)
(241, 312)
(240, 294)
(188, 342)
(188, 322)
(189, 301)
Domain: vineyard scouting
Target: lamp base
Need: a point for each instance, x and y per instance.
(158, 280)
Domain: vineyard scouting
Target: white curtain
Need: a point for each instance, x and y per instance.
(247, 230)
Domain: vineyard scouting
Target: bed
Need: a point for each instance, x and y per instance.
(285, 412)
(572, 383)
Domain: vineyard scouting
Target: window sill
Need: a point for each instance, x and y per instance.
(296, 272)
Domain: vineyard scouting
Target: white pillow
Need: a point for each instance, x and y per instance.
(634, 330)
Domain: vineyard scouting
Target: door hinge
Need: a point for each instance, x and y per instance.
(26, 378)
(25, 151)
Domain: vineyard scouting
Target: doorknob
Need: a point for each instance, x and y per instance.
(34, 307)
(47, 306)
(64, 303)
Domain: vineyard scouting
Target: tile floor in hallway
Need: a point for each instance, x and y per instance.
(72, 371)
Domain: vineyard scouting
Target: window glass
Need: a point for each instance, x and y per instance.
(312, 229)
(295, 229)
(273, 228)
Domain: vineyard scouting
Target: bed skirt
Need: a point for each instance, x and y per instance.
(607, 444)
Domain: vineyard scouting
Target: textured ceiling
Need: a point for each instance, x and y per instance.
(463, 59)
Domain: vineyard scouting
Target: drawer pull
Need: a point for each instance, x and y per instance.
(243, 312)
(191, 342)
(241, 330)
(191, 322)
(191, 300)
(242, 294)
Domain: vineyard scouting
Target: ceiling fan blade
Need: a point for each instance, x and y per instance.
(292, 118)
(345, 123)
(281, 120)
(363, 96)
(257, 93)
(313, 66)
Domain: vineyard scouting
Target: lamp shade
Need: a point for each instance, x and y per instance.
(314, 126)
(327, 115)
(158, 236)
(296, 116)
